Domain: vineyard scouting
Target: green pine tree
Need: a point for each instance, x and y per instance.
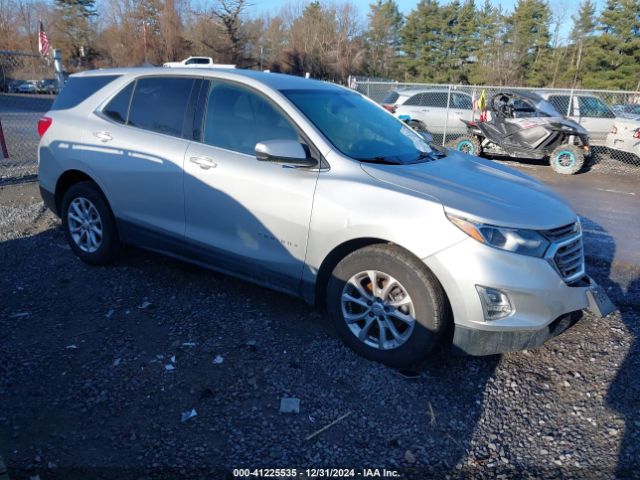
(529, 36)
(613, 60)
(74, 26)
(488, 59)
(383, 37)
(422, 42)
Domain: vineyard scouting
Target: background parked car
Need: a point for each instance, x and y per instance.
(430, 108)
(197, 62)
(588, 110)
(28, 86)
(625, 136)
(48, 85)
(627, 110)
(12, 86)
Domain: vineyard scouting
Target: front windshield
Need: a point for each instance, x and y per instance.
(359, 128)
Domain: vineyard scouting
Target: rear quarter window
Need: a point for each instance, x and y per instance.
(118, 108)
(391, 97)
(78, 89)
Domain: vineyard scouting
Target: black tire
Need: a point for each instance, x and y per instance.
(432, 313)
(567, 159)
(109, 245)
(466, 144)
(417, 125)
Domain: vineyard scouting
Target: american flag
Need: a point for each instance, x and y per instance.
(43, 41)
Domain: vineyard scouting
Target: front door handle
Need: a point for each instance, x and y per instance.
(203, 162)
(104, 137)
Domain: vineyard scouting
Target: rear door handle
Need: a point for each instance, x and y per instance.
(203, 162)
(104, 137)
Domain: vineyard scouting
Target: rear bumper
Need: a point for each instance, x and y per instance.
(49, 200)
(472, 341)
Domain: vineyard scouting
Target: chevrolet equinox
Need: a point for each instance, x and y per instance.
(312, 189)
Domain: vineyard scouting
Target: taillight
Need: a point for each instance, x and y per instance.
(391, 108)
(43, 125)
(614, 129)
(637, 134)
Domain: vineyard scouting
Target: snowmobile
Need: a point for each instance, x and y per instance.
(524, 125)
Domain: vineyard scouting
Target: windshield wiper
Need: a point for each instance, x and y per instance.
(433, 155)
(380, 160)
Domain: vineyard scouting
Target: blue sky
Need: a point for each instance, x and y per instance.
(562, 9)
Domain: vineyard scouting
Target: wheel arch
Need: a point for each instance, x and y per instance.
(341, 251)
(70, 178)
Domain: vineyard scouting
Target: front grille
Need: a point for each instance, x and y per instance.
(569, 259)
(560, 233)
(566, 253)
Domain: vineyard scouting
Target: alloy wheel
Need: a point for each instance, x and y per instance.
(85, 224)
(378, 309)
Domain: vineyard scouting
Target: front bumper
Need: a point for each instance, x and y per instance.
(543, 304)
(472, 341)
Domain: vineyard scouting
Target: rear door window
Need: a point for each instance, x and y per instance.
(78, 89)
(435, 99)
(160, 104)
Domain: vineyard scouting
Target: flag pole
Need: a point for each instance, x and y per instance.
(144, 37)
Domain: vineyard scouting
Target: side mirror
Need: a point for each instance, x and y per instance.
(287, 152)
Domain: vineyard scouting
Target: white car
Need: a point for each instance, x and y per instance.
(429, 107)
(625, 136)
(588, 110)
(198, 62)
(28, 86)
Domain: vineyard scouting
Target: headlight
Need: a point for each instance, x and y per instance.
(525, 242)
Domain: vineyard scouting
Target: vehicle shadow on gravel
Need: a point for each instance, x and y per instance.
(623, 395)
(87, 392)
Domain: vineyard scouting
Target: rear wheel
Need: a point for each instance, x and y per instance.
(386, 305)
(567, 159)
(466, 144)
(89, 224)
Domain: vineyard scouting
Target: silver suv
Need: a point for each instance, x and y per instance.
(314, 190)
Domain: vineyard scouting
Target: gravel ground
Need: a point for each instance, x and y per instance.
(97, 366)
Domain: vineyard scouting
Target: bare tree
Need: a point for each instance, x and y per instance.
(228, 13)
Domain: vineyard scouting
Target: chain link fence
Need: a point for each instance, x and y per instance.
(27, 89)
(612, 118)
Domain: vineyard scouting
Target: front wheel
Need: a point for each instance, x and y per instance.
(466, 144)
(386, 305)
(567, 159)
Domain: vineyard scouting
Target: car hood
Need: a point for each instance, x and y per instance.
(480, 190)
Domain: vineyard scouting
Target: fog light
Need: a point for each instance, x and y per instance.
(495, 303)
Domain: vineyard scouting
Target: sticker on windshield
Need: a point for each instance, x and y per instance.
(417, 140)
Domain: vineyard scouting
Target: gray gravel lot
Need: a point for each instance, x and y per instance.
(86, 392)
